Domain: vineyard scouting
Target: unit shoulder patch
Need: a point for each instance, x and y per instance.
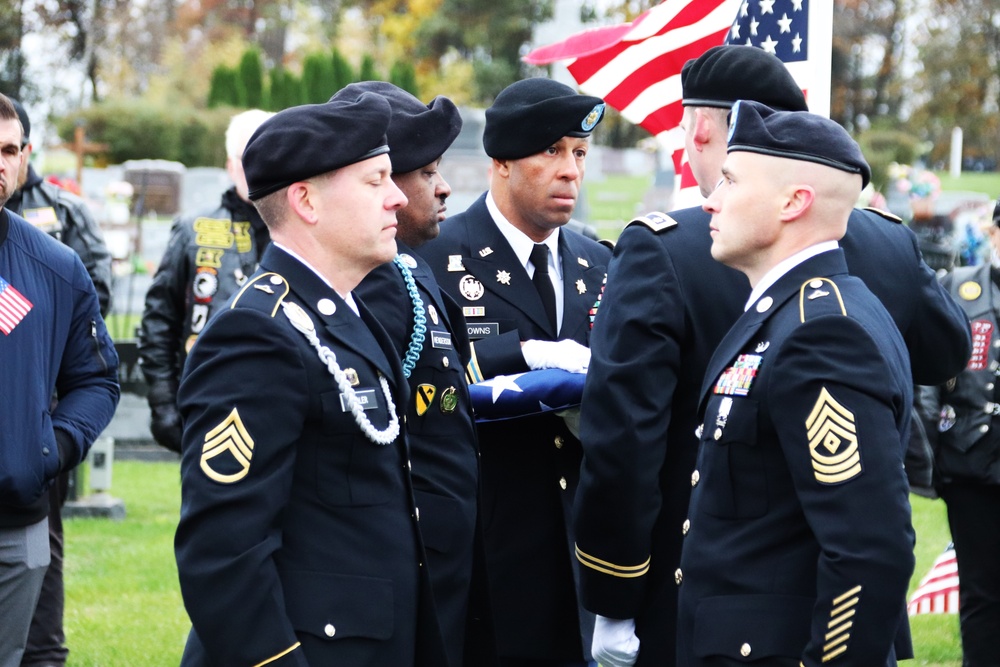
(655, 220)
(885, 214)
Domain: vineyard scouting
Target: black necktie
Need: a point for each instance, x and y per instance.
(540, 260)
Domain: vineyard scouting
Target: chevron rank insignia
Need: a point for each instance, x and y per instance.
(833, 441)
(656, 221)
(228, 450)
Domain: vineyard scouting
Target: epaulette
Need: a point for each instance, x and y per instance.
(819, 290)
(885, 214)
(264, 292)
(655, 220)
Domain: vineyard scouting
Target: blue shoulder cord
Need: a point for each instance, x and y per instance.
(419, 320)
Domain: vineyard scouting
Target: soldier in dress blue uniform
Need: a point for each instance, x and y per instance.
(434, 348)
(798, 546)
(537, 132)
(298, 542)
(666, 307)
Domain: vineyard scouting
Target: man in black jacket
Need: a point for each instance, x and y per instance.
(208, 258)
(666, 307)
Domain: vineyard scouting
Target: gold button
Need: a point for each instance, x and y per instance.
(562, 483)
(686, 527)
(560, 441)
(695, 476)
(445, 362)
(329, 630)
(745, 650)
(984, 428)
(678, 576)
(718, 434)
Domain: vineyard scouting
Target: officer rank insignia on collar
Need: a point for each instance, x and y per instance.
(833, 441)
(582, 262)
(228, 450)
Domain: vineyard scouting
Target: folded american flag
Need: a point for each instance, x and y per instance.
(523, 394)
(938, 590)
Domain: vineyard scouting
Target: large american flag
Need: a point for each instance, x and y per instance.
(13, 307)
(636, 66)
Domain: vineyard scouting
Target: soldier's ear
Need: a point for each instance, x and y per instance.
(301, 198)
(798, 201)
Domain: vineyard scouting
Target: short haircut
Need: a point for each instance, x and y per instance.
(7, 110)
(241, 128)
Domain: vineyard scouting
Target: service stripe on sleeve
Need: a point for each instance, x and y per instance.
(603, 566)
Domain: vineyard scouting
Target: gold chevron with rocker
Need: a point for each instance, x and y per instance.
(833, 441)
(227, 442)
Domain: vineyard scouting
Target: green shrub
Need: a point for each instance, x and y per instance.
(138, 130)
(882, 147)
(251, 79)
(224, 88)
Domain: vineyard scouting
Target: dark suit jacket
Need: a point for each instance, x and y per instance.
(298, 541)
(530, 465)
(443, 449)
(666, 306)
(799, 544)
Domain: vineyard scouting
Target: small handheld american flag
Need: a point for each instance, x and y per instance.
(13, 307)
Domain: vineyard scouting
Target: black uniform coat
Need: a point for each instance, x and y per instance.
(530, 466)
(297, 543)
(960, 415)
(441, 433)
(665, 308)
(799, 545)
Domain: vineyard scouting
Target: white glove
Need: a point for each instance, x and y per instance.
(565, 354)
(615, 643)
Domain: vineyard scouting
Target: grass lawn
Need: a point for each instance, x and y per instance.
(123, 606)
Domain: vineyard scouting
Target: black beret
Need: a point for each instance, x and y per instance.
(795, 135)
(724, 74)
(530, 115)
(996, 213)
(418, 133)
(312, 139)
(23, 116)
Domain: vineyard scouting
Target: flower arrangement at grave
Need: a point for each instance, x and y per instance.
(921, 186)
